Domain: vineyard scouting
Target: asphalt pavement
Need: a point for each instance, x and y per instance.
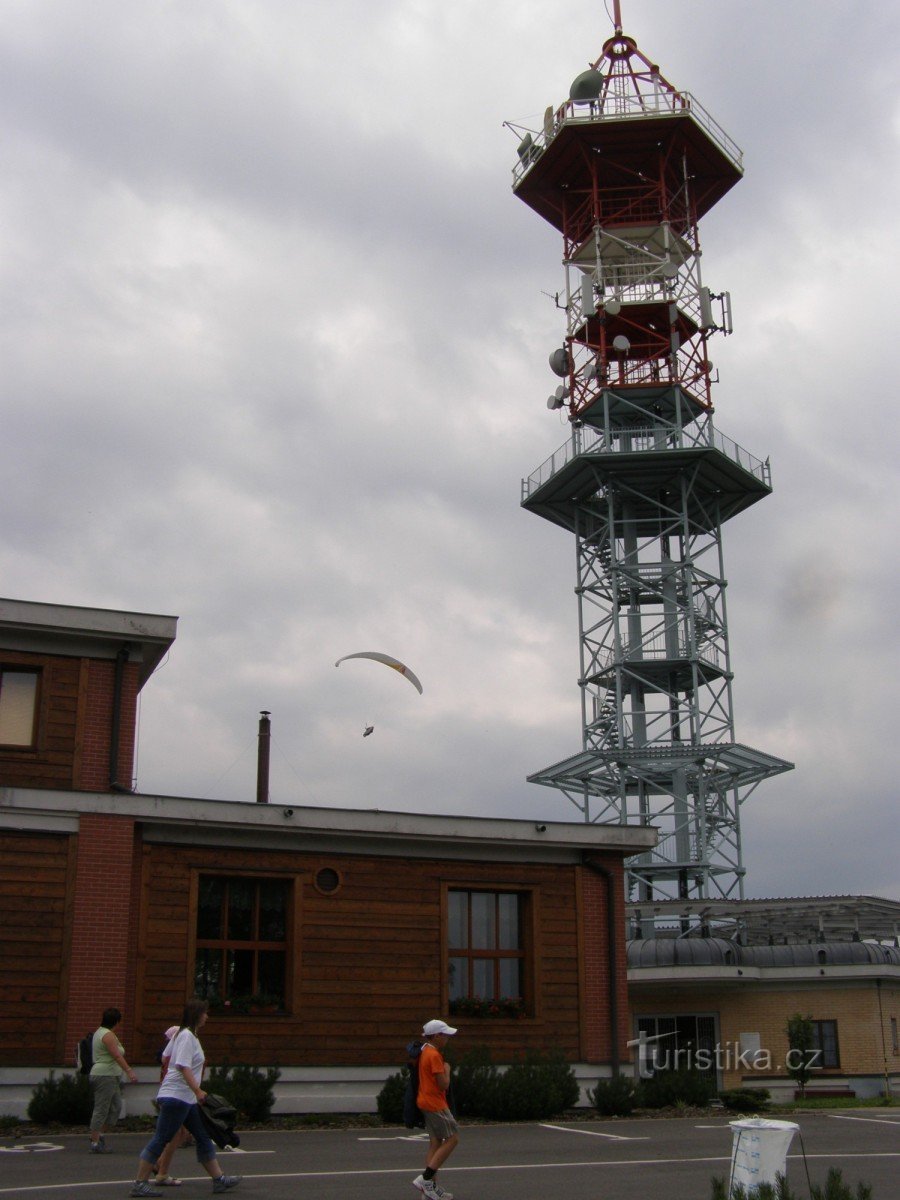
(672, 1159)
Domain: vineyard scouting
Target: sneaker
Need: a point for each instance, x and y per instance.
(441, 1193)
(226, 1182)
(141, 1187)
(426, 1187)
(100, 1147)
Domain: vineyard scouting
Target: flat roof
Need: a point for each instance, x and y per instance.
(38, 628)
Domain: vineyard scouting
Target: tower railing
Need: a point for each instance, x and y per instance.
(586, 440)
(625, 106)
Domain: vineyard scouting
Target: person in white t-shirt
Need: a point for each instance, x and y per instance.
(179, 1096)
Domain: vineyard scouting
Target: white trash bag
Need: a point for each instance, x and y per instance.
(759, 1151)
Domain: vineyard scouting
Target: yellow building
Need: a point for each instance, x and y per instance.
(721, 1004)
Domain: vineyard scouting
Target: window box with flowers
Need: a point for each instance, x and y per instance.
(475, 1006)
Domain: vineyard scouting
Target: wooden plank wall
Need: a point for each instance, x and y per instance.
(368, 958)
(36, 874)
(51, 763)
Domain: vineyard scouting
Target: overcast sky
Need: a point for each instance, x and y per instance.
(275, 337)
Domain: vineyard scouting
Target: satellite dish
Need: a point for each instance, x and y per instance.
(586, 87)
(559, 362)
(621, 343)
(548, 122)
(612, 307)
(591, 371)
(554, 402)
(669, 269)
(525, 147)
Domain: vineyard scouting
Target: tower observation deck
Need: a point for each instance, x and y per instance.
(624, 170)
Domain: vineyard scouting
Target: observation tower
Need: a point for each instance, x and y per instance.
(624, 170)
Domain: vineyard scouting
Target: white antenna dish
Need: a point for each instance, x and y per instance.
(525, 148)
(548, 122)
(559, 362)
(612, 307)
(621, 343)
(586, 87)
(669, 269)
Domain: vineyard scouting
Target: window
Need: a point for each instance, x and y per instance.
(825, 1039)
(686, 1042)
(242, 942)
(18, 706)
(486, 953)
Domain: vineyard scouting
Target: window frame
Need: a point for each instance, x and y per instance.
(8, 667)
(288, 946)
(824, 1063)
(529, 906)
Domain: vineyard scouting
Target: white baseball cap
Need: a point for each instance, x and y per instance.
(433, 1027)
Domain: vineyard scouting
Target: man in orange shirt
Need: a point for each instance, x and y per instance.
(440, 1123)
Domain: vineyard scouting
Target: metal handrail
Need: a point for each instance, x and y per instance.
(586, 440)
(618, 107)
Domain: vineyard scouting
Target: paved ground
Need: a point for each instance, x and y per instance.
(603, 1160)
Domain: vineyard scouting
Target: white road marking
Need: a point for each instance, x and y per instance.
(869, 1120)
(593, 1164)
(613, 1137)
(403, 1137)
(30, 1148)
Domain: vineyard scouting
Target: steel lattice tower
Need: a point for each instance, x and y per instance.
(625, 170)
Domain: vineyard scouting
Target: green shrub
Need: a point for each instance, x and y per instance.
(390, 1099)
(474, 1084)
(66, 1100)
(834, 1189)
(614, 1097)
(8, 1122)
(249, 1089)
(540, 1085)
(746, 1100)
(676, 1087)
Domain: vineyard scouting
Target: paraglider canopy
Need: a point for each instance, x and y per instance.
(393, 663)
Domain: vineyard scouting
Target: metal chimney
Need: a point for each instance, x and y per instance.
(262, 758)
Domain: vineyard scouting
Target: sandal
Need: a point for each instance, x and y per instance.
(166, 1181)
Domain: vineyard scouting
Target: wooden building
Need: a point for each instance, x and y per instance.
(324, 937)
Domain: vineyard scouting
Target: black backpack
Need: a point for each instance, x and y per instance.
(84, 1054)
(412, 1114)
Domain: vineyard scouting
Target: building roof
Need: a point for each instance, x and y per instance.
(185, 821)
(715, 952)
(790, 919)
(86, 632)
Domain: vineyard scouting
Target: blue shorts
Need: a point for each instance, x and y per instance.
(172, 1115)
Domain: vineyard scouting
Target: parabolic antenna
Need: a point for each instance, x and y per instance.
(621, 343)
(559, 362)
(586, 87)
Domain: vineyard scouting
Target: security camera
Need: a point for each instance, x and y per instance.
(540, 828)
(288, 812)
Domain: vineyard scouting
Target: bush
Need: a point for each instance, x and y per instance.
(834, 1189)
(9, 1122)
(390, 1099)
(249, 1089)
(66, 1100)
(676, 1087)
(474, 1084)
(746, 1100)
(614, 1097)
(541, 1085)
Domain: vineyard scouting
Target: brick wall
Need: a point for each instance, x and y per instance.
(96, 725)
(101, 966)
(595, 1005)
